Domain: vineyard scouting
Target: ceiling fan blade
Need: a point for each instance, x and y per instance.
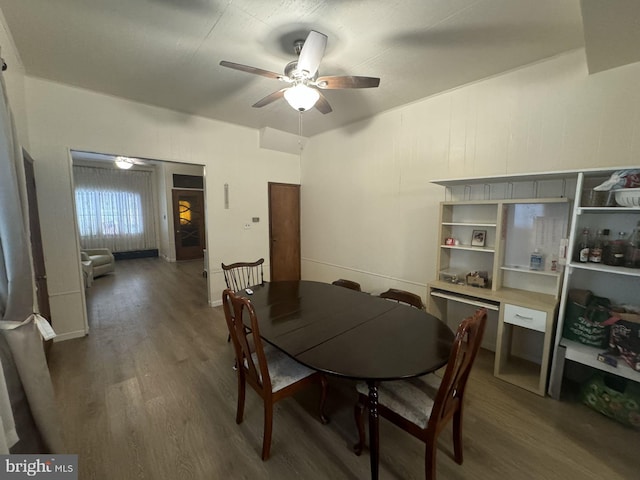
(254, 70)
(312, 52)
(272, 97)
(322, 105)
(334, 83)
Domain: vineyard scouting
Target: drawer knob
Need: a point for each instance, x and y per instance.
(523, 317)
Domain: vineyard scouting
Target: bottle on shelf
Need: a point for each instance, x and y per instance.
(632, 254)
(616, 251)
(537, 260)
(606, 245)
(583, 246)
(595, 252)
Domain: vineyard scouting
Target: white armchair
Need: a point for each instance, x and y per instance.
(102, 260)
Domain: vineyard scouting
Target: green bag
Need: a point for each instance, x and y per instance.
(614, 397)
(585, 324)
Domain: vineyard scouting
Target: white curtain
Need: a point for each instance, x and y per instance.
(115, 208)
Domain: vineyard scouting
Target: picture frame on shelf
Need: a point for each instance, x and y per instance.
(478, 238)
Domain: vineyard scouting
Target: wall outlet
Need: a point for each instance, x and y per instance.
(247, 226)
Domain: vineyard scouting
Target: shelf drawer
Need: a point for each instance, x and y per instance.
(525, 317)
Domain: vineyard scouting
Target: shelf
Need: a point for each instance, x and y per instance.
(581, 210)
(525, 177)
(598, 267)
(587, 355)
(455, 203)
(512, 201)
(468, 247)
(532, 272)
(464, 224)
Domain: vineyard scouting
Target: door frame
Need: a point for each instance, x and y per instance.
(72, 153)
(36, 245)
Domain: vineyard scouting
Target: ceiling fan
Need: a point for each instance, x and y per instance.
(304, 87)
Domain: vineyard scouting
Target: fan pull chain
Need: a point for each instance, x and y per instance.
(300, 131)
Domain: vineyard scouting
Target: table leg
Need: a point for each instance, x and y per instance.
(374, 438)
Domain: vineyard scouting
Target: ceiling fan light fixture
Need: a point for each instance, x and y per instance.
(301, 97)
(305, 86)
(124, 163)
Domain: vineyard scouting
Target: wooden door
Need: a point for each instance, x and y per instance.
(284, 231)
(188, 223)
(42, 291)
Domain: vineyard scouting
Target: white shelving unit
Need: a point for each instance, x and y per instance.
(619, 284)
(514, 284)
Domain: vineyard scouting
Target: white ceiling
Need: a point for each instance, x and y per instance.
(167, 52)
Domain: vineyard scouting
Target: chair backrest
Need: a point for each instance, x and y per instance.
(347, 284)
(256, 373)
(241, 275)
(402, 296)
(465, 347)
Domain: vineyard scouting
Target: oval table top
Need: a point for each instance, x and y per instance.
(348, 333)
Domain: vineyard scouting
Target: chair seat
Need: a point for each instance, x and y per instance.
(412, 398)
(283, 370)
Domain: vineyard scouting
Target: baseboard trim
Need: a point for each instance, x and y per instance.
(215, 303)
(61, 337)
(149, 253)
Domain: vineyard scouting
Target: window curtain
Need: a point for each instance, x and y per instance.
(28, 385)
(115, 208)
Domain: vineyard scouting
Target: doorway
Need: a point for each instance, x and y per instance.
(188, 222)
(284, 231)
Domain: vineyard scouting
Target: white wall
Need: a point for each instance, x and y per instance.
(63, 118)
(14, 80)
(368, 210)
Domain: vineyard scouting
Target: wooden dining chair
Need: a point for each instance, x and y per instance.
(423, 406)
(347, 284)
(402, 296)
(241, 275)
(271, 373)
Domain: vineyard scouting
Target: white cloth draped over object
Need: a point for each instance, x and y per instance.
(8, 434)
(24, 366)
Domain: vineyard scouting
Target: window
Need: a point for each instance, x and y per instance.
(108, 213)
(115, 208)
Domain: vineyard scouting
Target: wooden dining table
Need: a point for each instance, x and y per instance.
(352, 335)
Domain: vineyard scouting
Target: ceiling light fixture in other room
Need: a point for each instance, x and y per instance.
(124, 163)
(301, 97)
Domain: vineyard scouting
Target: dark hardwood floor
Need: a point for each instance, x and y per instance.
(150, 394)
